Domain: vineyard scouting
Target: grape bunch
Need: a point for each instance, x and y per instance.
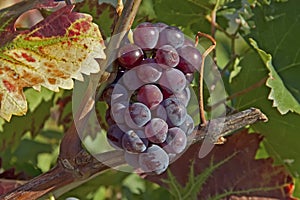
(148, 100)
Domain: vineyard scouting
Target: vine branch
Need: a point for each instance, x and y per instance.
(87, 166)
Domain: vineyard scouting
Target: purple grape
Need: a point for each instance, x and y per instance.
(176, 141)
(184, 96)
(188, 125)
(119, 94)
(190, 59)
(176, 111)
(159, 112)
(131, 80)
(130, 56)
(154, 159)
(149, 73)
(172, 36)
(114, 136)
(173, 79)
(189, 77)
(132, 159)
(160, 26)
(150, 95)
(139, 113)
(146, 35)
(118, 111)
(188, 42)
(133, 143)
(156, 130)
(167, 56)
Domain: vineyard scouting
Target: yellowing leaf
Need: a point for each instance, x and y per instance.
(50, 54)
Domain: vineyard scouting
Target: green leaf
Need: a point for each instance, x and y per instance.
(18, 126)
(277, 26)
(281, 131)
(281, 96)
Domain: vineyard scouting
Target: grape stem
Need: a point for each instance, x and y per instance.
(201, 73)
(65, 175)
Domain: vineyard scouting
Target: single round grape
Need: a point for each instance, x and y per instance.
(131, 81)
(118, 111)
(156, 130)
(184, 96)
(154, 159)
(114, 135)
(170, 35)
(160, 26)
(146, 35)
(130, 55)
(173, 79)
(139, 113)
(133, 143)
(132, 159)
(167, 56)
(188, 42)
(188, 125)
(190, 59)
(119, 94)
(159, 112)
(176, 111)
(149, 73)
(189, 77)
(176, 141)
(150, 95)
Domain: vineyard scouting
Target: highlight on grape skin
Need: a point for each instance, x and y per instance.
(154, 73)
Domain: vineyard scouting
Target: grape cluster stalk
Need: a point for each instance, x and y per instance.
(148, 100)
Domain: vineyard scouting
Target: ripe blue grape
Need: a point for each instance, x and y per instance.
(131, 81)
(154, 159)
(114, 135)
(176, 141)
(167, 56)
(118, 111)
(132, 159)
(188, 125)
(159, 112)
(173, 79)
(146, 35)
(176, 111)
(119, 94)
(139, 113)
(130, 55)
(156, 130)
(149, 73)
(150, 95)
(190, 59)
(172, 36)
(133, 143)
(183, 96)
(160, 26)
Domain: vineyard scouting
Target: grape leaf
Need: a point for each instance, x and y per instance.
(18, 126)
(276, 26)
(281, 131)
(50, 54)
(233, 171)
(282, 98)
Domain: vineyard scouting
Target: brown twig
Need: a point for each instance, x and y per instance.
(88, 166)
(201, 74)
